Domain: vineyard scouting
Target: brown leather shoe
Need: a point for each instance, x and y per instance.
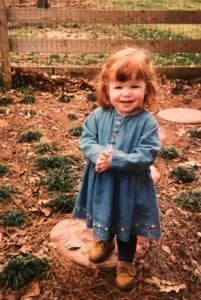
(101, 250)
(125, 275)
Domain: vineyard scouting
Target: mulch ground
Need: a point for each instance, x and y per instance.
(171, 269)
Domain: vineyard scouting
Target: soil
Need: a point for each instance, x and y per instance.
(171, 269)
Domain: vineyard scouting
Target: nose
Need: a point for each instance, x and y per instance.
(126, 92)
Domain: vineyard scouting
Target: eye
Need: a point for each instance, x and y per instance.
(118, 87)
(135, 86)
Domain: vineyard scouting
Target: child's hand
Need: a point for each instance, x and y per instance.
(104, 160)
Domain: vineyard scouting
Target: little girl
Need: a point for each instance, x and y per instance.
(120, 139)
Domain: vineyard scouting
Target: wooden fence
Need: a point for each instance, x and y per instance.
(86, 16)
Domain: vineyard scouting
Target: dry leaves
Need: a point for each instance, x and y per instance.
(166, 286)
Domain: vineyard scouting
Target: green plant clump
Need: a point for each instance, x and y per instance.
(49, 162)
(6, 101)
(76, 131)
(196, 132)
(72, 117)
(5, 192)
(3, 170)
(21, 270)
(65, 98)
(54, 162)
(62, 203)
(91, 96)
(62, 179)
(45, 147)
(190, 200)
(30, 136)
(28, 99)
(13, 218)
(185, 174)
(169, 153)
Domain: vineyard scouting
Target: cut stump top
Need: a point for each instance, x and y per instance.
(181, 115)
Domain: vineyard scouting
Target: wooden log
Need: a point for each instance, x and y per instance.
(102, 16)
(89, 72)
(41, 45)
(4, 47)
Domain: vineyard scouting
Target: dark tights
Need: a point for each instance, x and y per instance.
(127, 250)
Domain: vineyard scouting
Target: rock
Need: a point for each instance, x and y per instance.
(72, 240)
(181, 115)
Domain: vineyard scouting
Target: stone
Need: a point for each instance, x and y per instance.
(73, 240)
(181, 115)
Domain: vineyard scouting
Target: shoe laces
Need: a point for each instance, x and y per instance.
(103, 244)
(126, 267)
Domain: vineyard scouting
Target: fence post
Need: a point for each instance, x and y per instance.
(43, 3)
(4, 46)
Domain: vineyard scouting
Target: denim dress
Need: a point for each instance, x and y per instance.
(122, 200)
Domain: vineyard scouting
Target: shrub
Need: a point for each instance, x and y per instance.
(21, 270)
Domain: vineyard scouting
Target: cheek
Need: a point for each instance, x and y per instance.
(140, 94)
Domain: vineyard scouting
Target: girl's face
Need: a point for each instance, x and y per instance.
(127, 97)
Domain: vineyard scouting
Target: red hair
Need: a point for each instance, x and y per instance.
(127, 64)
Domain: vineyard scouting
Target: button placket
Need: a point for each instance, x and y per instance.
(115, 130)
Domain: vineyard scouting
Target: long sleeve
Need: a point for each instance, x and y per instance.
(142, 156)
(89, 138)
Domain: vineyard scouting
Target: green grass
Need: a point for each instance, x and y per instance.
(21, 270)
(13, 218)
(185, 174)
(5, 193)
(195, 133)
(150, 4)
(61, 179)
(4, 101)
(168, 153)
(30, 136)
(62, 203)
(3, 170)
(46, 147)
(190, 200)
(109, 31)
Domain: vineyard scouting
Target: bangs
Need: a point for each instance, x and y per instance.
(128, 69)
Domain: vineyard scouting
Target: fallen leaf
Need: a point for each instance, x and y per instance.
(166, 286)
(166, 249)
(32, 290)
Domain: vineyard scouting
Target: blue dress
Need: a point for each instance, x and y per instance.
(121, 200)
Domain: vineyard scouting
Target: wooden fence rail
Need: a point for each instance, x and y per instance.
(95, 16)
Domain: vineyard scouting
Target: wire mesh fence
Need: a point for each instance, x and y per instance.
(82, 33)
